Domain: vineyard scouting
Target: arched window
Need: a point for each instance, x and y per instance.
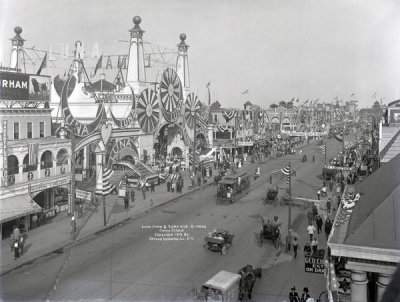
(46, 161)
(27, 167)
(12, 164)
(62, 157)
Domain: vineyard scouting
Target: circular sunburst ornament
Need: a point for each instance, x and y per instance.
(192, 107)
(148, 110)
(171, 93)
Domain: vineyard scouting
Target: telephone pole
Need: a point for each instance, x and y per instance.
(290, 197)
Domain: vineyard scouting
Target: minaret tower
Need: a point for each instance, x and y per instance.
(136, 70)
(17, 51)
(182, 65)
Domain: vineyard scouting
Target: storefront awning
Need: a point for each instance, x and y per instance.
(17, 206)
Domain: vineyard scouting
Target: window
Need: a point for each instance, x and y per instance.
(41, 129)
(29, 130)
(16, 130)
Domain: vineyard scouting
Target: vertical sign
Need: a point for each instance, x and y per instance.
(5, 163)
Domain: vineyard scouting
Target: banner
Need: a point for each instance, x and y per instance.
(85, 195)
(24, 87)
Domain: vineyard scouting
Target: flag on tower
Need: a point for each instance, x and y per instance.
(282, 174)
(246, 91)
(98, 65)
(208, 84)
(43, 65)
(107, 186)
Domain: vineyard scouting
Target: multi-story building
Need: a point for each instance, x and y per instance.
(35, 165)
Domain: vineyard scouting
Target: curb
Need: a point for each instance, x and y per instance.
(69, 243)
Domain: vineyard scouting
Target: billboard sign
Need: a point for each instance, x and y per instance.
(314, 264)
(24, 87)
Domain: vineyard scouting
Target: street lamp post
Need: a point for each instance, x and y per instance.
(290, 197)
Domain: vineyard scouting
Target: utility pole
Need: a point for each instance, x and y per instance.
(290, 197)
(194, 141)
(73, 189)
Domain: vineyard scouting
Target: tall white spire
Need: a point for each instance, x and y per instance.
(182, 63)
(16, 51)
(136, 70)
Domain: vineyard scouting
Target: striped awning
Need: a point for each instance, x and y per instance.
(17, 206)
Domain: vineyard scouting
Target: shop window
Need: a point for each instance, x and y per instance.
(29, 130)
(41, 129)
(16, 130)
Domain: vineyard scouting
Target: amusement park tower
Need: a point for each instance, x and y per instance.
(17, 49)
(136, 68)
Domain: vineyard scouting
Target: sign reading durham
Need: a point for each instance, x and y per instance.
(24, 87)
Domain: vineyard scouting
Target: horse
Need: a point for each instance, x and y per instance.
(248, 278)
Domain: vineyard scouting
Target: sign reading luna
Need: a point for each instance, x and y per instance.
(128, 121)
(24, 87)
(119, 146)
(79, 129)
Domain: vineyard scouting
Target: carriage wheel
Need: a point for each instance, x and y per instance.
(223, 250)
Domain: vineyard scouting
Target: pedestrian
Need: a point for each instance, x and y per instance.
(311, 231)
(324, 194)
(132, 195)
(144, 192)
(313, 158)
(34, 220)
(319, 194)
(307, 249)
(293, 295)
(328, 227)
(199, 181)
(73, 224)
(310, 216)
(314, 245)
(331, 184)
(270, 178)
(168, 185)
(305, 295)
(12, 240)
(319, 223)
(16, 232)
(152, 186)
(315, 211)
(21, 244)
(126, 200)
(328, 205)
(294, 172)
(16, 250)
(288, 240)
(296, 246)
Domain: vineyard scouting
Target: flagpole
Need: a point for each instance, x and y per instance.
(73, 188)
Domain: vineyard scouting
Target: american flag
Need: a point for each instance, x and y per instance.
(282, 174)
(33, 150)
(107, 186)
(323, 152)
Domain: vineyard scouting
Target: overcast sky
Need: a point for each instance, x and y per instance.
(277, 49)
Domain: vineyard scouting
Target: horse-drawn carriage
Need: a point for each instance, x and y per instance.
(229, 287)
(218, 241)
(232, 187)
(270, 231)
(272, 196)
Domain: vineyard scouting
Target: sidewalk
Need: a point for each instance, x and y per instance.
(56, 233)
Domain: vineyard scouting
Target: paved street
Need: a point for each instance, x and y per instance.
(124, 264)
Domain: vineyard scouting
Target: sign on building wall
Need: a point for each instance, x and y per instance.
(313, 264)
(85, 195)
(24, 87)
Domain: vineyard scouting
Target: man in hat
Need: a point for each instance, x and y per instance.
(293, 295)
(305, 295)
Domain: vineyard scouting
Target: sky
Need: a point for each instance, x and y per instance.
(275, 49)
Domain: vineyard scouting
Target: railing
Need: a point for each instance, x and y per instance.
(24, 177)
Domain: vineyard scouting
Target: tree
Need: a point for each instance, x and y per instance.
(289, 105)
(282, 104)
(273, 106)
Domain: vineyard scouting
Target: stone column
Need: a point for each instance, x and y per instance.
(359, 286)
(20, 172)
(38, 167)
(381, 284)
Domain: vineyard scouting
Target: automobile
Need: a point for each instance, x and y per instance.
(218, 241)
(224, 286)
